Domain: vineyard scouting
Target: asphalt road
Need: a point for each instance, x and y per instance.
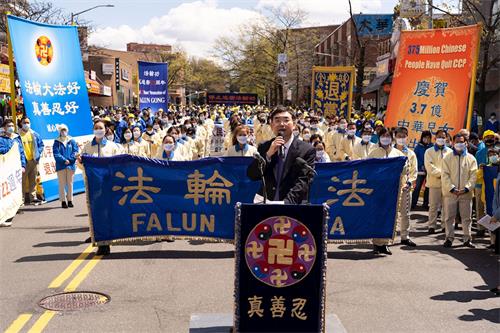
(156, 287)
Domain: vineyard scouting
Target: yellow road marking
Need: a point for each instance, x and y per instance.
(42, 321)
(82, 274)
(19, 323)
(61, 278)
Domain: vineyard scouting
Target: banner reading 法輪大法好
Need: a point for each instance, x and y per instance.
(50, 70)
(432, 79)
(362, 196)
(153, 85)
(11, 189)
(331, 91)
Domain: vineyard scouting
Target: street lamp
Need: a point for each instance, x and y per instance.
(73, 15)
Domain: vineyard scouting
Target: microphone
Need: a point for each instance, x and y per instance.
(281, 151)
(303, 164)
(259, 158)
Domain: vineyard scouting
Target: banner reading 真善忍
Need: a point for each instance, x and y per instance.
(432, 79)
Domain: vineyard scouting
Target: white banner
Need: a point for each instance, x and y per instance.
(11, 183)
(282, 65)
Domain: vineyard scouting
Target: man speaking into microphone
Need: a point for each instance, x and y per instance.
(286, 179)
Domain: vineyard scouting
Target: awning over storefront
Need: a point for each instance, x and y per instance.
(375, 84)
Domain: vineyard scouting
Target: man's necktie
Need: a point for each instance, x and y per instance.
(279, 172)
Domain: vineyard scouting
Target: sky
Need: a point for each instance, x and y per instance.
(195, 25)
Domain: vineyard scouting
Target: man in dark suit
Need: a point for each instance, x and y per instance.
(286, 180)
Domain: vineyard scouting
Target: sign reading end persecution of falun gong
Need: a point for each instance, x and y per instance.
(332, 90)
(133, 198)
(434, 73)
(280, 268)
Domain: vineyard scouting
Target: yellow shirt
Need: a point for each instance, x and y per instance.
(27, 139)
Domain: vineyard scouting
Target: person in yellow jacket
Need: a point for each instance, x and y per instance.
(386, 150)
(153, 139)
(129, 146)
(363, 147)
(143, 148)
(348, 142)
(333, 139)
(433, 160)
(458, 178)
(405, 199)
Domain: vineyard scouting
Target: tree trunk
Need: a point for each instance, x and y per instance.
(360, 78)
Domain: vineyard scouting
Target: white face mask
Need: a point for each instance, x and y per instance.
(168, 146)
(459, 146)
(441, 141)
(342, 126)
(296, 133)
(493, 159)
(137, 134)
(385, 141)
(99, 133)
(156, 127)
(306, 136)
(351, 132)
(401, 141)
(26, 127)
(110, 137)
(366, 138)
(64, 134)
(320, 153)
(127, 136)
(242, 139)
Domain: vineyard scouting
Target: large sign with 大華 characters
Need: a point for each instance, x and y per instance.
(50, 70)
(434, 73)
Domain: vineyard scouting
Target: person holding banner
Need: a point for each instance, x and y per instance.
(33, 148)
(386, 150)
(363, 147)
(405, 199)
(240, 146)
(65, 150)
(286, 179)
(433, 160)
(458, 178)
(7, 140)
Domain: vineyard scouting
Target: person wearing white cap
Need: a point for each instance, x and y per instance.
(65, 150)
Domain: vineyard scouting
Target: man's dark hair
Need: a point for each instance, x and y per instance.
(385, 130)
(401, 130)
(6, 122)
(281, 109)
(458, 135)
(441, 131)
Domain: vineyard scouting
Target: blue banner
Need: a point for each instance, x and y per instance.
(153, 85)
(490, 174)
(332, 90)
(50, 71)
(133, 197)
(373, 25)
(362, 196)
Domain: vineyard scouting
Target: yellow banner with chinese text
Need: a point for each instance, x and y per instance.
(331, 91)
(4, 79)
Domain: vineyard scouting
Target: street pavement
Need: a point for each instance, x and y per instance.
(156, 287)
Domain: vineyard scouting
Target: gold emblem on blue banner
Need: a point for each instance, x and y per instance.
(332, 90)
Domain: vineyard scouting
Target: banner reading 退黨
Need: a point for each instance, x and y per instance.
(50, 70)
(331, 91)
(432, 79)
(153, 85)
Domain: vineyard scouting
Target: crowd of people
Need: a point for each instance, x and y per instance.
(445, 171)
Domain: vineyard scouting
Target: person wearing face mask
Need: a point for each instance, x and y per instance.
(297, 130)
(458, 178)
(33, 148)
(422, 146)
(492, 124)
(321, 155)
(65, 150)
(111, 136)
(378, 125)
(405, 199)
(348, 142)
(433, 160)
(129, 146)
(334, 140)
(153, 139)
(120, 125)
(240, 146)
(363, 147)
(306, 134)
(386, 150)
(315, 127)
(99, 146)
(169, 151)
(143, 145)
